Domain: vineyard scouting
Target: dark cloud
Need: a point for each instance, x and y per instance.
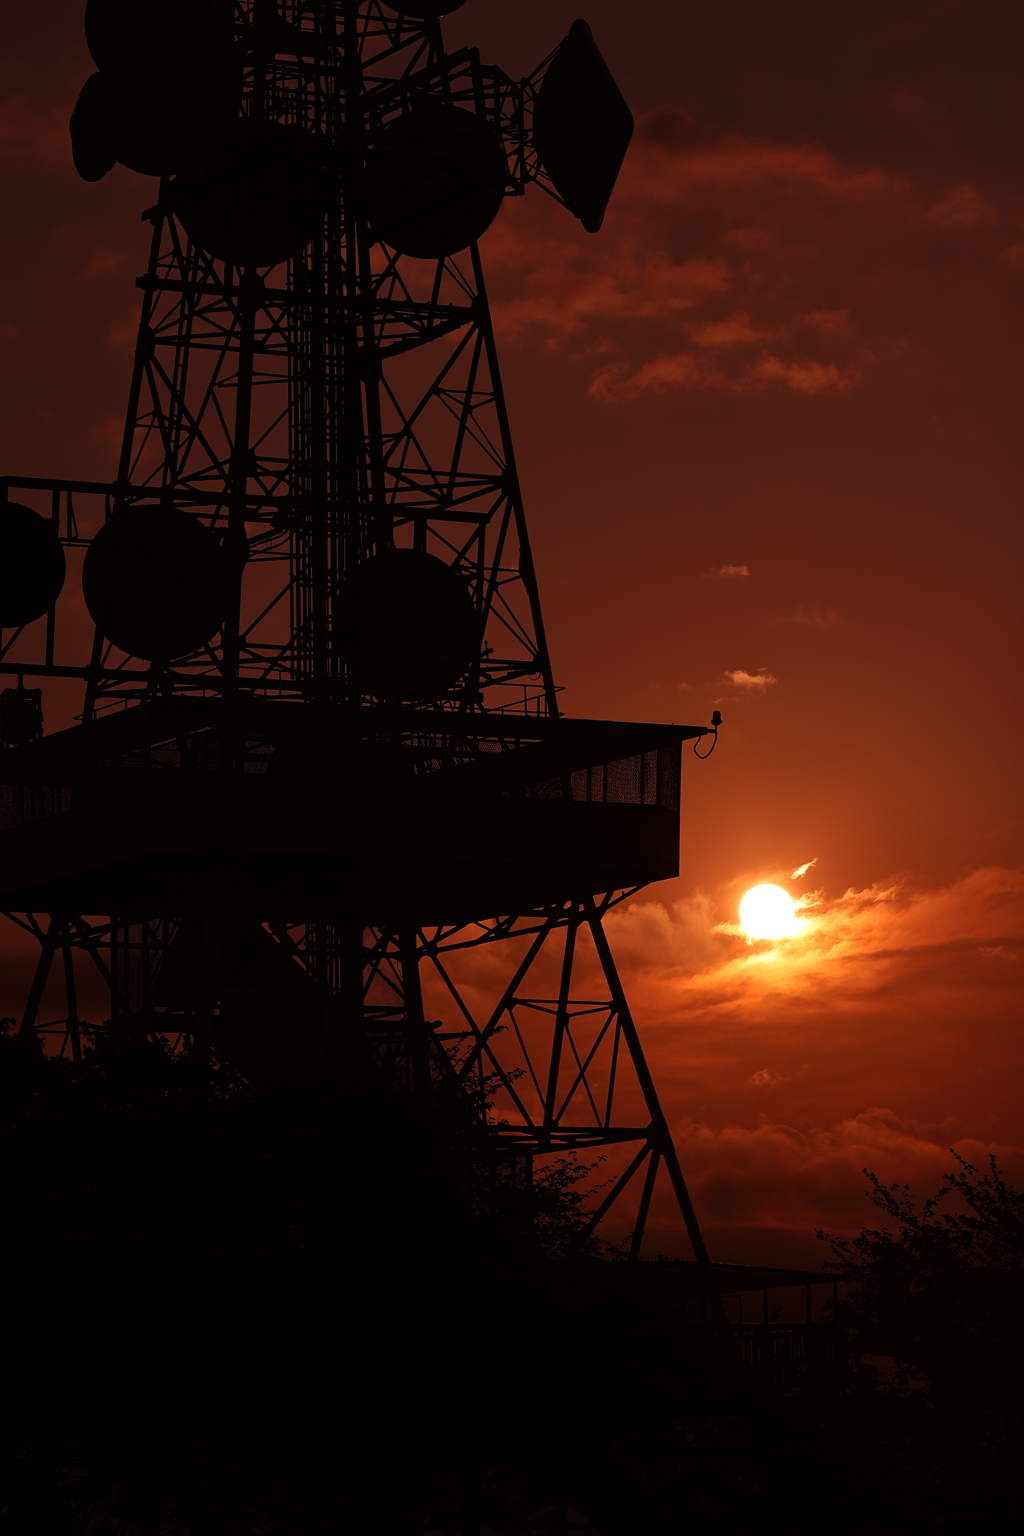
(730, 263)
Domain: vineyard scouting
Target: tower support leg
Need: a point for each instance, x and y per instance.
(553, 1075)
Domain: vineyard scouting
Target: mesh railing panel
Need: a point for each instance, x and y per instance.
(649, 778)
(24, 803)
(646, 778)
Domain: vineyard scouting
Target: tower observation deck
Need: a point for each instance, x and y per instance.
(319, 785)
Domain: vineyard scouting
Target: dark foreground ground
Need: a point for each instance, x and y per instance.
(309, 1308)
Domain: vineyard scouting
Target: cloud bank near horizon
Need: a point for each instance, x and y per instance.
(888, 1032)
(885, 1033)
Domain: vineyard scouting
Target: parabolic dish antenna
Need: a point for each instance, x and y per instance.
(156, 582)
(94, 130)
(164, 100)
(412, 630)
(109, 22)
(260, 199)
(31, 565)
(581, 126)
(435, 179)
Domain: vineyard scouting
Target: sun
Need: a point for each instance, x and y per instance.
(768, 912)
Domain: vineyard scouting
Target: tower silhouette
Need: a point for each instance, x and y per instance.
(321, 802)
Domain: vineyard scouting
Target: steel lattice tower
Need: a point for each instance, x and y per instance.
(260, 852)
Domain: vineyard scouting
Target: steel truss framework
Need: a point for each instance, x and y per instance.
(563, 1073)
(312, 413)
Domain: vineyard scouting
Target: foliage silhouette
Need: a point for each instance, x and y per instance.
(940, 1295)
(237, 1309)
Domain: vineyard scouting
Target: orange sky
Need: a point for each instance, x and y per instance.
(767, 423)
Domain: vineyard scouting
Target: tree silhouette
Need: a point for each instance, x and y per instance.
(939, 1291)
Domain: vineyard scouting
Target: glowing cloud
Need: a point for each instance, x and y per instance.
(786, 1069)
(750, 682)
(825, 1034)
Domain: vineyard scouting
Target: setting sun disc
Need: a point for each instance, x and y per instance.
(768, 912)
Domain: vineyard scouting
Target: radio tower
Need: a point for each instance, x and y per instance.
(321, 796)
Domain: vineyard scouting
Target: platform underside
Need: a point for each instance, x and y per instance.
(389, 860)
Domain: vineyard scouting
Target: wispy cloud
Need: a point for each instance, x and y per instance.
(725, 572)
(720, 265)
(962, 207)
(575, 292)
(736, 331)
(802, 375)
(767, 1078)
(836, 321)
(803, 869)
(888, 923)
(749, 682)
(812, 616)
